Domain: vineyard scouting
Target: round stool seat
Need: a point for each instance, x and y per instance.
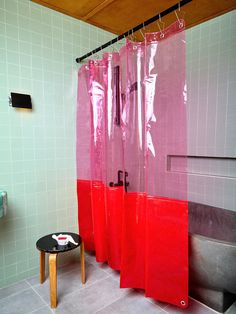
(50, 245)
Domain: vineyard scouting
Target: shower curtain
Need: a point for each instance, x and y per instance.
(131, 165)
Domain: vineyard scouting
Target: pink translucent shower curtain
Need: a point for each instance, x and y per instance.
(134, 219)
(114, 160)
(83, 153)
(167, 207)
(131, 131)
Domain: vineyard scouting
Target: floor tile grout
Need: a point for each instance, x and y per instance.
(153, 301)
(162, 308)
(83, 287)
(76, 290)
(58, 276)
(40, 309)
(108, 304)
(104, 307)
(40, 298)
(13, 284)
(25, 280)
(106, 275)
(95, 270)
(14, 294)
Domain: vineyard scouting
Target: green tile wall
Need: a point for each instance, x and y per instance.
(211, 84)
(38, 48)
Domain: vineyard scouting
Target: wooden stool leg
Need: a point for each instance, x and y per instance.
(53, 279)
(82, 261)
(42, 267)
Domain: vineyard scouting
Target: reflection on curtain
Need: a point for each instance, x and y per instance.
(132, 205)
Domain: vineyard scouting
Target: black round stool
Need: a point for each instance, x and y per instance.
(49, 245)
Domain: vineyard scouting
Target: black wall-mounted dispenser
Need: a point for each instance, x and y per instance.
(21, 101)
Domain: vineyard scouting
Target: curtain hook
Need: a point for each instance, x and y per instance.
(133, 38)
(131, 35)
(161, 30)
(144, 27)
(142, 32)
(128, 34)
(181, 24)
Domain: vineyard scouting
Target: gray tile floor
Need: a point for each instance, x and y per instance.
(101, 294)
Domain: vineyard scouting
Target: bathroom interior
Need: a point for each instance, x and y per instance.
(151, 188)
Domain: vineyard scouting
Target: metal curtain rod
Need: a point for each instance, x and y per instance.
(135, 29)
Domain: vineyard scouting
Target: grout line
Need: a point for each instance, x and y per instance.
(47, 278)
(14, 294)
(25, 280)
(42, 307)
(108, 304)
(82, 287)
(39, 297)
(12, 284)
(76, 290)
(152, 301)
(109, 273)
(164, 311)
(92, 283)
(125, 294)
(97, 265)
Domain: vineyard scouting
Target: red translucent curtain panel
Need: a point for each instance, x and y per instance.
(115, 206)
(133, 241)
(131, 163)
(165, 86)
(106, 158)
(114, 159)
(97, 73)
(167, 207)
(83, 139)
(167, 251)
(85, 213)
(134, 218)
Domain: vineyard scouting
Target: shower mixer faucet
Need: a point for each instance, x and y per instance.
(120, 181)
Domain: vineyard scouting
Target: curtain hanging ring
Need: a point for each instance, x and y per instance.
(133, 35)
(142, 32)
(162, 35)
(181, 24)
